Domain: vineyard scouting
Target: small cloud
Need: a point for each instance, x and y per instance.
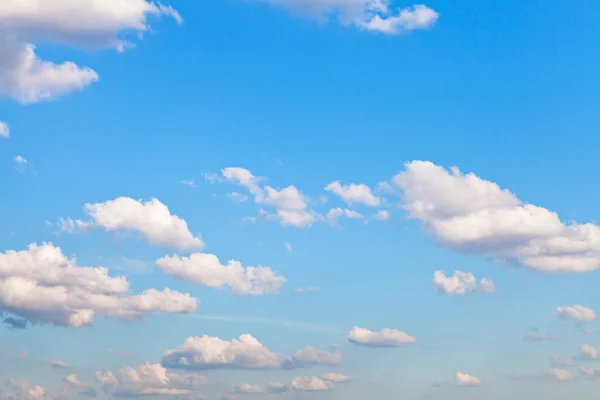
(539, 337)
(382, 215)
(189, 182)
(211, 177)
(22, 164)
(238, 197)
(576, 313)
(4, 130)
(308, 289)
(288, 246)
(58, 364)
(559, 374)
(463, 379)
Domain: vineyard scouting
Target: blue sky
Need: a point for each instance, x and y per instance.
(347, 149)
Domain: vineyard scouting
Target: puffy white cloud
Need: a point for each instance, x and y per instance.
(21, 390)
(80, 23)
(335, 213)
(559, 374)
(384, 338)
(247, 352)
(4, 130)
(207, 270)
(148, 380)
(310, 384)
(382, 215)
(461, 283)
(247, 388)
(539, 337)
(42, 285)
(589, 352)
(335, 377)
(245, 178)
(370, 15)
(577, 313)
(152, 219)
(353, 193)
(470, 214)
(463, 379)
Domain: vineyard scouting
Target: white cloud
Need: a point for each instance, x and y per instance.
(148, 380)
(288, 247)
(559, 374)
(372, 15)
(577, 313)
(248, 388)
(238, 197)
(78, 23)
(461, 283)
(42, 285)
(473, 215)
(152, 219)
(247, 352)
(310, 384)
(22, 164)
(58, 364)
(206, 269)
(335, 213)
(383, 215)
(539, 337)
(354, 193)
(4, 130)
(189, 182)
(21, 390)
(384, 338)
(589, 371)
(335, 377)
(463, 379)
(589, 352)
(244, 177)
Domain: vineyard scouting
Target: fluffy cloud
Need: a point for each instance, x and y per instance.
(589, 352)
(335, 377)
(4, 130)
(207, 270)
(470, 214)
(353, 193)
(148, 380)
(335, 213)
(20, 389)
(151, 219)
(245, 178)
(577, 313)
(42, 285)
(466, 380)
(384, 338)
(539, 337)
(560, 374)
(461, 283)
(310, 384)
(244, 353)
(247, 388)
(79, 23)
(369, 15)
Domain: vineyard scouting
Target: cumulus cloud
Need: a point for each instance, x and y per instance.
(20, 389)
(539, 337)
(589, 352)
(248, 388)
(42, 285)
(151, 219)
(4, 130)
(247, 352)
(470, 214)
(335, 377)
(78, 23)
(335, 213)
(354, 193)
(206, 269)
(461, 283)
(148, 380)
(384, 338)
(310, 384)
(577, 313)
(368, 15)
(463, 379)
(559, 374)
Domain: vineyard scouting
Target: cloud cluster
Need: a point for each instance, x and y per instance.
(148, 380)
(79, 23)
(384, 338)
(42, 285)
(470, 214)
(206, 269)
(151, 219)
(461, 283)
(247, 352)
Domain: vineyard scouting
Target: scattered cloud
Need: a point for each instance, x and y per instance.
(276, 387)
(577, 313)
(310, 356)
(20, 389)
(559, 374)
(475, 216)
(335, 377)
(384, 338)
(27, 78)
(189, 182)
(589, 352)
(557, 361)
(42, 285)
(4, 130)
(461, 283)
(310, 384)
(288, 247)
(238, 197)
(206, 269)
(589, 371)
(58, 364)
(335, 213)
(151, 219)
(382, 215)
(247, 388)
(463, 379)
(23, 165)
(354, 193)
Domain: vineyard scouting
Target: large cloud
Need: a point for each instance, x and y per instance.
(384, 338)
(42, 285)
(152, 219)
(80, 23)
(461, 283)
(247, 352)
(148, 380)
(370, 15)
(470, 214)
(207, 270)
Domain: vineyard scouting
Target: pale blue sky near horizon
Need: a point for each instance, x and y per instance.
(507, 91)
